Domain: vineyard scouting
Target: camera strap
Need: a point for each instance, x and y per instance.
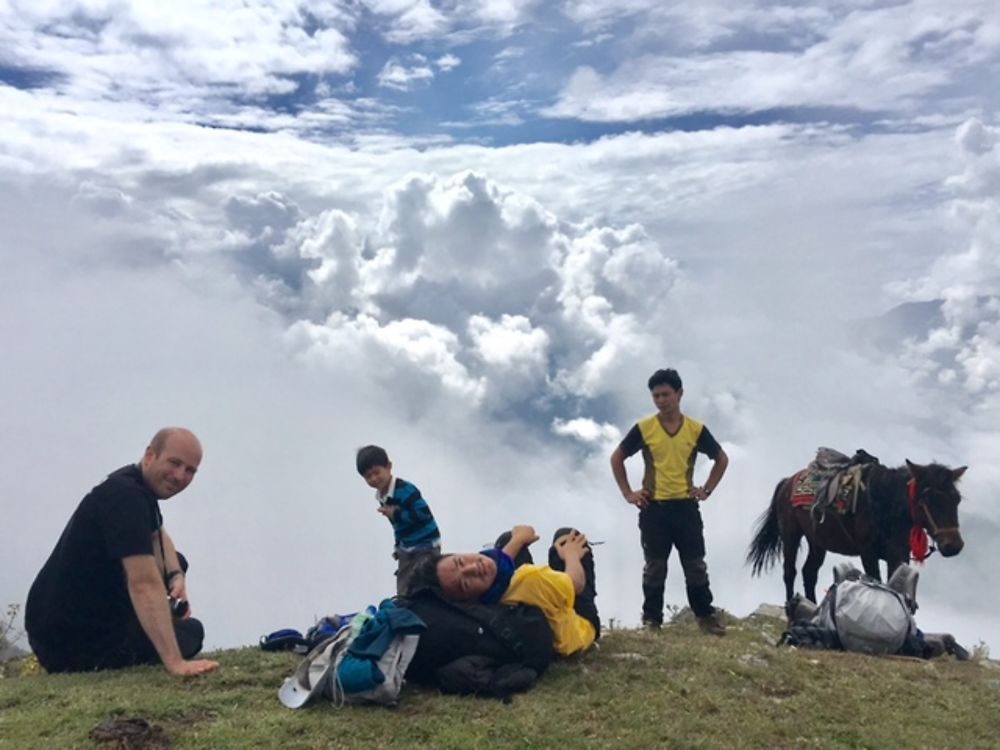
(163, 558)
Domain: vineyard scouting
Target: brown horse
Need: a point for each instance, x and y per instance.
(879, 529)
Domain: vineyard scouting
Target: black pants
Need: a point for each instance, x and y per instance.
(584, 604)
(117, 645)
(663, 526)
(138, 649)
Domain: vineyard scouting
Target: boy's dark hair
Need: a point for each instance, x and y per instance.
(371, 456)
(665, 377)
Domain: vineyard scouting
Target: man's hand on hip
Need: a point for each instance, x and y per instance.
(639, 498)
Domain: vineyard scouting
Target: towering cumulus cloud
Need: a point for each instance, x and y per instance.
(463, 281)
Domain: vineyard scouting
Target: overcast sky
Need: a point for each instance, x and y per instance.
(469, 231)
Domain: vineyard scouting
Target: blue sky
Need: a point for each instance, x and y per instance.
(470, 230)
(509, 72)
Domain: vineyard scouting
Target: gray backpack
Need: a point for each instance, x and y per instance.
(869, 616)
(865, 615)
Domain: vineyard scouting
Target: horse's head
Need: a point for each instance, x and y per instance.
(936, 506)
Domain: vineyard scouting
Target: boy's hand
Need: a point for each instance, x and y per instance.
(387, 510)
(572, 546)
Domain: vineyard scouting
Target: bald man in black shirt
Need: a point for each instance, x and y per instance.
(104, 599)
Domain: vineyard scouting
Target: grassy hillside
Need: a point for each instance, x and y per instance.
(673, 689)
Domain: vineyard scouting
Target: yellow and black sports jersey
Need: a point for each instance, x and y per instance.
(669, 458)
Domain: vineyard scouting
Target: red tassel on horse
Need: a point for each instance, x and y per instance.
(919, 543)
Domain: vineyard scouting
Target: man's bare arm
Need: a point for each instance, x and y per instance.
(719, 467)
(149, 600)
(572, 548)
(638, 498)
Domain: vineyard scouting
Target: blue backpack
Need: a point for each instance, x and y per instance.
(289, 639)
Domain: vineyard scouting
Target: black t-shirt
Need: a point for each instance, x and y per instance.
(81, 594)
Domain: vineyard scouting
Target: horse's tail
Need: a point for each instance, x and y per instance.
(764, 548)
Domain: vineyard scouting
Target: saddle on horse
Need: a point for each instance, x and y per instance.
(831, 482)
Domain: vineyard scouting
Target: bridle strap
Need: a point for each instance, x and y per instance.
(932, 527)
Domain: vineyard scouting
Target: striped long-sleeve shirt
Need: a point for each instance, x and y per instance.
(413, 523)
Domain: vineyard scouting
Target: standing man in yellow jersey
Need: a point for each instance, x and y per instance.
(668, 500)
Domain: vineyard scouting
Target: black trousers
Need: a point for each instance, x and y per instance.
(584, 604)
(119, 644)
(662, 527)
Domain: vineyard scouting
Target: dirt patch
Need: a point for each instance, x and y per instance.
(130, 734)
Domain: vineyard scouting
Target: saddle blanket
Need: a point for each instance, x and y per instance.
(807, 483)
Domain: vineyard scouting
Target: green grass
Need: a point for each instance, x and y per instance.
(673, 689)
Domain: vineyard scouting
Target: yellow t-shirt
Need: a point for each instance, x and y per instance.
(552, 592)
(669, 458)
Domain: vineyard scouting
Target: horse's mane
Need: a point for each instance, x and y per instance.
(887, 490)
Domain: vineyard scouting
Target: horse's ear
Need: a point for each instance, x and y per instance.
(956, 474)
(915, 469)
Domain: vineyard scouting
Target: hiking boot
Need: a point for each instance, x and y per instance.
(954, 648)
(712, 625)
(651, 625)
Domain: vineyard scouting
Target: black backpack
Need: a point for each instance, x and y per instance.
(469, 647)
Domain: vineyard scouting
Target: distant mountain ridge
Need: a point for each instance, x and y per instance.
(910, 320)
(913, 320)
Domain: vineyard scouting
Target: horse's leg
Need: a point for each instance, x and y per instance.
(869, 560)
(810, 571)
(790, 540)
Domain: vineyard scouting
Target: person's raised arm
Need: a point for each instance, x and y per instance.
(572, 548)
(520, 537)
(639, 498)
(149, 600)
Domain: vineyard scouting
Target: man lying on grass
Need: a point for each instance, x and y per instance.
(564, 589)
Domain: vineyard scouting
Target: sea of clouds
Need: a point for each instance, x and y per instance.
(489, 314)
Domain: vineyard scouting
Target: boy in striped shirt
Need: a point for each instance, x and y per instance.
(413, 525)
